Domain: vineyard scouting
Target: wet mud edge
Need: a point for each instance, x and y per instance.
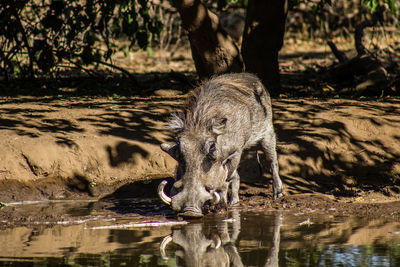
(253, 197)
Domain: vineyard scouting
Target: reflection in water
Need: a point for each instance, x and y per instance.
(201, 244)
(94, 236)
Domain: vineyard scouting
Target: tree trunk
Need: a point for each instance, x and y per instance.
(262, 40)
(213, 51)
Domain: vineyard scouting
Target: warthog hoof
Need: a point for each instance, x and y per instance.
(190, 215)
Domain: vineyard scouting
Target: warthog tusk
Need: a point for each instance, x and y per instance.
(216, 198)
(163, 245)
(166, 199)
(218, 243)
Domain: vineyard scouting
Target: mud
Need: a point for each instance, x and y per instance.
(146, 207)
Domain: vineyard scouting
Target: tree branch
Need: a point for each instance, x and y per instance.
(25, 39)
(124, 71)
(338, 54)
(359, 32)
(213, 51)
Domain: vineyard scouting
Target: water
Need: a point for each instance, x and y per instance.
(113, 234)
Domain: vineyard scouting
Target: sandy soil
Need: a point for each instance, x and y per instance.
(77, 148)
(333, 153)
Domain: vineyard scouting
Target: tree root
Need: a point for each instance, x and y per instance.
(365, 72)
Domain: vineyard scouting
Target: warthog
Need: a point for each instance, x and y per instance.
(224, 116)
(200, 244)
(214, 244)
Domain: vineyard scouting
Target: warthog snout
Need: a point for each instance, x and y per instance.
(189, 208)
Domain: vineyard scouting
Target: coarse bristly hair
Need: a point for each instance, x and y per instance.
(176, 122)
(200, 111)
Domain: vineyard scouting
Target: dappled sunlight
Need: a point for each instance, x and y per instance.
(342, 146)
(337, 146)
(105, 140)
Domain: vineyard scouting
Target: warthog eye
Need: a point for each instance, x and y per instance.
(212, 148)
(212, 151)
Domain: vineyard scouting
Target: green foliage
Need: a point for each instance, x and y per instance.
(319, 4)
(36, 36)
(374, 4)
(294, 3)
(223, 4)
(316, 5)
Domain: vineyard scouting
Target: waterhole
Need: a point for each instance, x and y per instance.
(144, 232)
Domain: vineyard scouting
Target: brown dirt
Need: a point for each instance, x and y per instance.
(344, 150)
(335, 154)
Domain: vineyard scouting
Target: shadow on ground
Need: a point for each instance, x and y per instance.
(336, 146)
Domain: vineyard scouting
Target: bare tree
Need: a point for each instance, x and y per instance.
(262, 40)
(214, 52)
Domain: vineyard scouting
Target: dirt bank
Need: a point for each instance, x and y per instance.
(54, 148)
(84, 147)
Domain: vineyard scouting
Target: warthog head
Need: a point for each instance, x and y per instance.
(195, 248)
(203, 244)
(202, 172)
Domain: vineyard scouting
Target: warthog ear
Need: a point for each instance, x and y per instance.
(172, 150)
(176, 122)
(218, 125)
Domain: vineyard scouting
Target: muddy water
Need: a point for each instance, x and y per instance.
(145, 233)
